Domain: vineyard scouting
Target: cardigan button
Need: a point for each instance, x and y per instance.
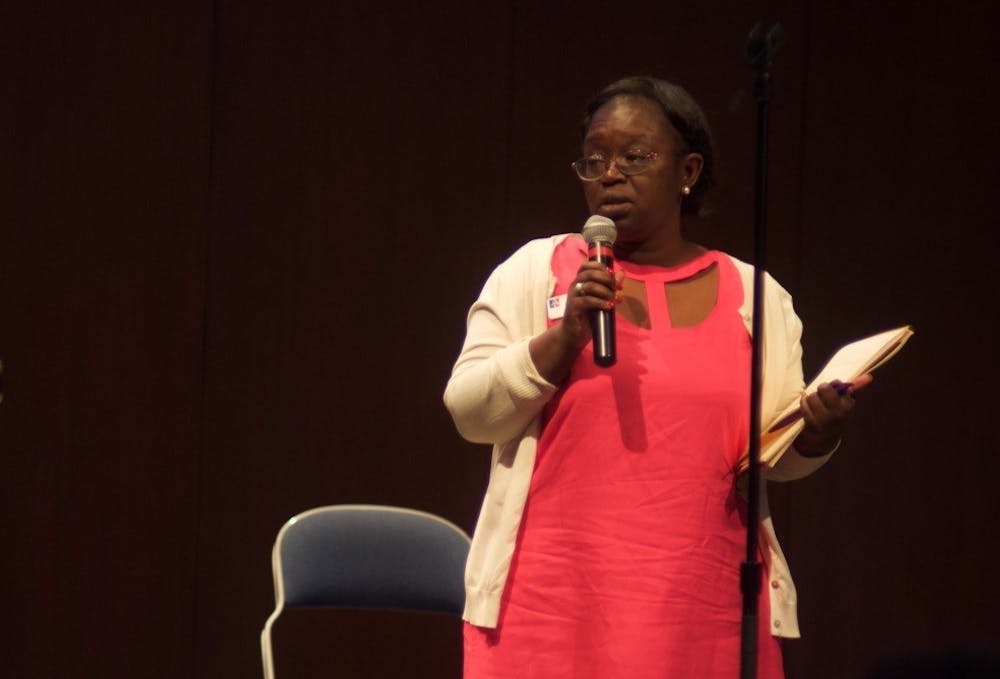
(774, 584)
(777, 624)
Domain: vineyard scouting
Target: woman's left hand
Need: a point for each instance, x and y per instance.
(826, 413)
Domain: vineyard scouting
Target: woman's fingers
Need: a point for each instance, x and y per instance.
(594, 288)
(596, 279)
(861, 382)
(827, 410)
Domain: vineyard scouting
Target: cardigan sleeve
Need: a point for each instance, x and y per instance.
(495, 390)
(791, 465)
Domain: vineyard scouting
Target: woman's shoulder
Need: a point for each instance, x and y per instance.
(537, 251)
(746, 271)
(543, 245)
(743, 267)
(528, 266)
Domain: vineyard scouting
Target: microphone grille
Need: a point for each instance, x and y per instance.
(599, 228)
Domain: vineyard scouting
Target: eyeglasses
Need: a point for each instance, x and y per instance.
(592, 168)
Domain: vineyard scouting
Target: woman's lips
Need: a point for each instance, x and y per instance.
(614, 208)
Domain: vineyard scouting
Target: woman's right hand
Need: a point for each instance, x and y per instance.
(554, 351)
(595, 288)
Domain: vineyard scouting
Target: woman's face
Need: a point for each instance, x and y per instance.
(641, 204)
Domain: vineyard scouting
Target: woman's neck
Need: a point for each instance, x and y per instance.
(670, 251)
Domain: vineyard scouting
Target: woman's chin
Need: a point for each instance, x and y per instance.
(623, 222)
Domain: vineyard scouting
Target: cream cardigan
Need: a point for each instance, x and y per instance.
(495, 395)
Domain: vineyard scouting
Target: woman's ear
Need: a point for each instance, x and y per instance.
(691, 166)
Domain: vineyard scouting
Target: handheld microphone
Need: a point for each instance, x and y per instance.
(599, 233)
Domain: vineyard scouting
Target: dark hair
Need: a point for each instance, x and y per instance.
(683, 113)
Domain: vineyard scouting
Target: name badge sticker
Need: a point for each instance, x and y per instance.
(556, 307)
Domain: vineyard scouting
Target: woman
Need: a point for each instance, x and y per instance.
(610, 536)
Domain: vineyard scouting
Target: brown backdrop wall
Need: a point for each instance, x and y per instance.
(239, 241)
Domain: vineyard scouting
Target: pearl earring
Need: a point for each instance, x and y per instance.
(686, 190)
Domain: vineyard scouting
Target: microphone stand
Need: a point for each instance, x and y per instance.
(760, 52)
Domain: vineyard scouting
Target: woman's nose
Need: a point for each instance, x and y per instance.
(612, 174)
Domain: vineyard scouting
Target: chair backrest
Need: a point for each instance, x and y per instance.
(366, 556)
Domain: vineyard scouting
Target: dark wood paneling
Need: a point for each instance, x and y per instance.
(892, 541)
(320, 643)
(105, 125)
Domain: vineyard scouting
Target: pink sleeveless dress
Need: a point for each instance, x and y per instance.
(627, 562)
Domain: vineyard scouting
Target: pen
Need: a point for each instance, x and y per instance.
(841, 387)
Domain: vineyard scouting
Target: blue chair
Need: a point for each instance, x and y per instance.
(368, 557)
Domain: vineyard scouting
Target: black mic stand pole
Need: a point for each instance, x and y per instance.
(760, 51)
